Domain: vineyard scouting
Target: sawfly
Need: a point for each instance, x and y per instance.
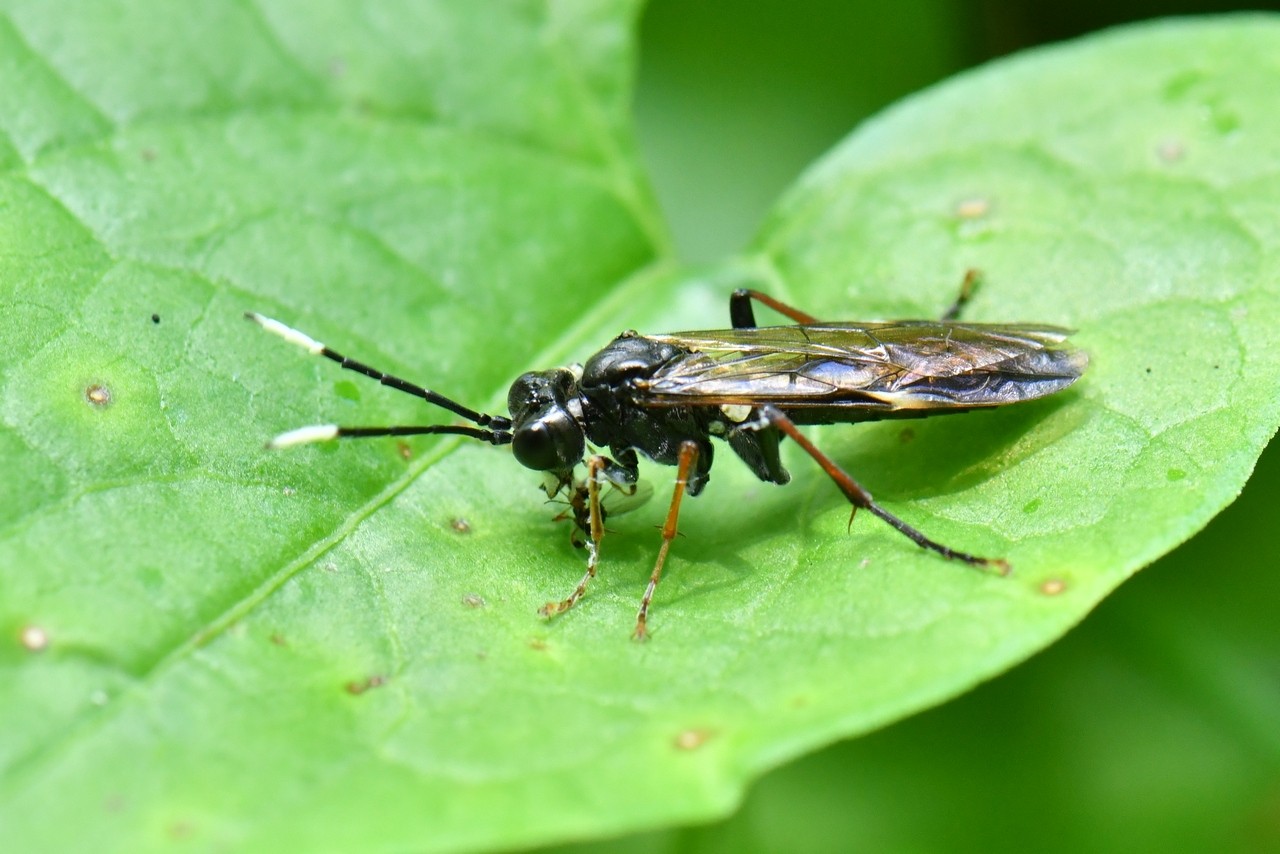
(665, 397)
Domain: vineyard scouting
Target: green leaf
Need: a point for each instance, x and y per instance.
(217, 644)
(1150, 727)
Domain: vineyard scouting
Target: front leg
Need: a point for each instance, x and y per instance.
(597, 469)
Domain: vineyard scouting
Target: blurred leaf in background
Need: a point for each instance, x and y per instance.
(735, 99)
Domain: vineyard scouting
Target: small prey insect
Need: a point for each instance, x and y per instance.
(666, 396)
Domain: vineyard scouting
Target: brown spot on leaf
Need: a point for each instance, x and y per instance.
(692, 738)
(1171, 151)
(1053, 586)
(98, 395)
(973, 207)
(356, 688)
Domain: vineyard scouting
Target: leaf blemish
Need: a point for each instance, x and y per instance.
(692, 739)
(1180, 85)
(34, 638)
(974, 207)
(1053, 586)
(98, 395)
(356, 688)
(1171, 151)
(181, 829)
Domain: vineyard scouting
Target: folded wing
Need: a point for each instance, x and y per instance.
(866, 370)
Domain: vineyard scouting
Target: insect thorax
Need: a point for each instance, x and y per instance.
(616, 414)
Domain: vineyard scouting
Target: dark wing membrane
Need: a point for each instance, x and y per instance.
(880, 367)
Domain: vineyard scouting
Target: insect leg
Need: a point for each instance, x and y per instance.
(687, 460)
(595, 465)
(971, 279)
(744, 317)
(860, 498)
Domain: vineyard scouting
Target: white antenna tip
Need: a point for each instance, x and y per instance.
(288, 333)
(304, 436)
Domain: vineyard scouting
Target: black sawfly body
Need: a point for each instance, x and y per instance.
(665, 397)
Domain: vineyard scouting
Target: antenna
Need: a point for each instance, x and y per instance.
(499, 432)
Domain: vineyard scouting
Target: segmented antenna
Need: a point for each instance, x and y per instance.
(499, 427)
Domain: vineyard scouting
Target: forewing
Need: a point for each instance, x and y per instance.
(876, 366)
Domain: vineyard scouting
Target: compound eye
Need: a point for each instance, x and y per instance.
(551, 442)
(534, 448)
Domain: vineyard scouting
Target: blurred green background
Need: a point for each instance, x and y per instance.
(1153, 726)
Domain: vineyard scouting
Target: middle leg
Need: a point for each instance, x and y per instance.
(743, 316)
(688, 459)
